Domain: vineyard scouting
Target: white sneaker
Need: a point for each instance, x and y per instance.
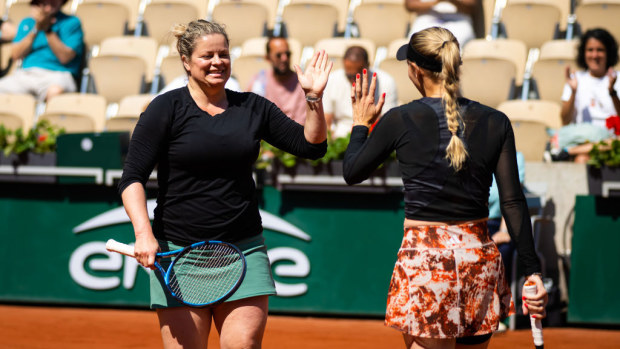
(501, 327)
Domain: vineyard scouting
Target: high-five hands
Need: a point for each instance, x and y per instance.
(314, 79)
(365, 111)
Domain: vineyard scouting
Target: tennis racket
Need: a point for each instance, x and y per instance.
(530, 290)
(201, 274)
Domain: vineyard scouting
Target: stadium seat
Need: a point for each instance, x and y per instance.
(309, 22)
(133, 105)
(407, 92)
(381, 21)
(76, 112)
(134, 11)
(129, 111)
(17, 110)
(270, 5)
(489, 80)
(510, 49)
(599, 14)
(143, 47)
(530, 120)
(102, 19)
(244, 20)
(160, 15)
(6, 63)
(531, 138)
(18, 11)
(336, 47)
(201, 5)
(550, 70)
(123, 67)
(171, 66)
(545, 112)
(531, 21)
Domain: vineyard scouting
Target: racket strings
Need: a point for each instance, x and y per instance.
(206, 273)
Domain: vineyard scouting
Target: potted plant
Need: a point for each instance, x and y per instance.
(35, 147)
(276, 161)
(604, 163)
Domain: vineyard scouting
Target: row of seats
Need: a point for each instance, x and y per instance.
(105, 18)
(75, 112)
(532, 21)
(537, 21)
(126, 65)
(79, 112)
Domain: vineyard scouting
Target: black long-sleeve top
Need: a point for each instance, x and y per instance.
(433, 190)
(204, 173)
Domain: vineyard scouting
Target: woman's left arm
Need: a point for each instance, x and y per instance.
(313, 82)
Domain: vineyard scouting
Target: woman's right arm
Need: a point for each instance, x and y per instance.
(150, 136)
(134, 201)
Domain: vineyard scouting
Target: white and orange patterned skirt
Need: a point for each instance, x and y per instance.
(448, 282)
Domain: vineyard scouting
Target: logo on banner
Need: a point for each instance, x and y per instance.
(83, 258)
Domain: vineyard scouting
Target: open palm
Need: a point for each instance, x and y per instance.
(314, 79)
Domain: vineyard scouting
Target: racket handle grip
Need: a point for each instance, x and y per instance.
(536, 324)
(115, 246)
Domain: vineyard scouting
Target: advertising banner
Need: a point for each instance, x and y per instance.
(331, 252)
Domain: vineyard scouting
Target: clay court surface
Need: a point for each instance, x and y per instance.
(54, 327)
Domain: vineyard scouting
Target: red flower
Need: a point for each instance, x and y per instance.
(42, 138)
(613, 122)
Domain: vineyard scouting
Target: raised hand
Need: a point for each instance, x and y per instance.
(571, 79)
(314, 79)
(365, 111)
(611, 73)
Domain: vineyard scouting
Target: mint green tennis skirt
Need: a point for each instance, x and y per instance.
(258, 280)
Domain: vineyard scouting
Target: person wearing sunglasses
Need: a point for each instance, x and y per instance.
(279, 84)
(337, 99)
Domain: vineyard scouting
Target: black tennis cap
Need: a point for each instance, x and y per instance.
(401, 54)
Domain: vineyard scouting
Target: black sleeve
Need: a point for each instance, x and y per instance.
(513, 204)
(285, 134)
(148, 140)
(365, 153)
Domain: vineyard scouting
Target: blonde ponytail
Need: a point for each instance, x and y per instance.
(451, 58)
(441, 45)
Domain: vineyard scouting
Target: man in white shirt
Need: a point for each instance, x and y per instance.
(337, 95)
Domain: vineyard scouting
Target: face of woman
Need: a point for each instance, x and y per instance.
(210, 61)
(596, 57)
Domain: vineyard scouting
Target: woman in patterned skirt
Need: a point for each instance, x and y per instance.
(448, 287)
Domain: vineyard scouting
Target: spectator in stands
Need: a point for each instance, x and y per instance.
(337, 98)
(454, 15)
(590, 95)
(50, 45)
(7, 31)
(280, 84)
